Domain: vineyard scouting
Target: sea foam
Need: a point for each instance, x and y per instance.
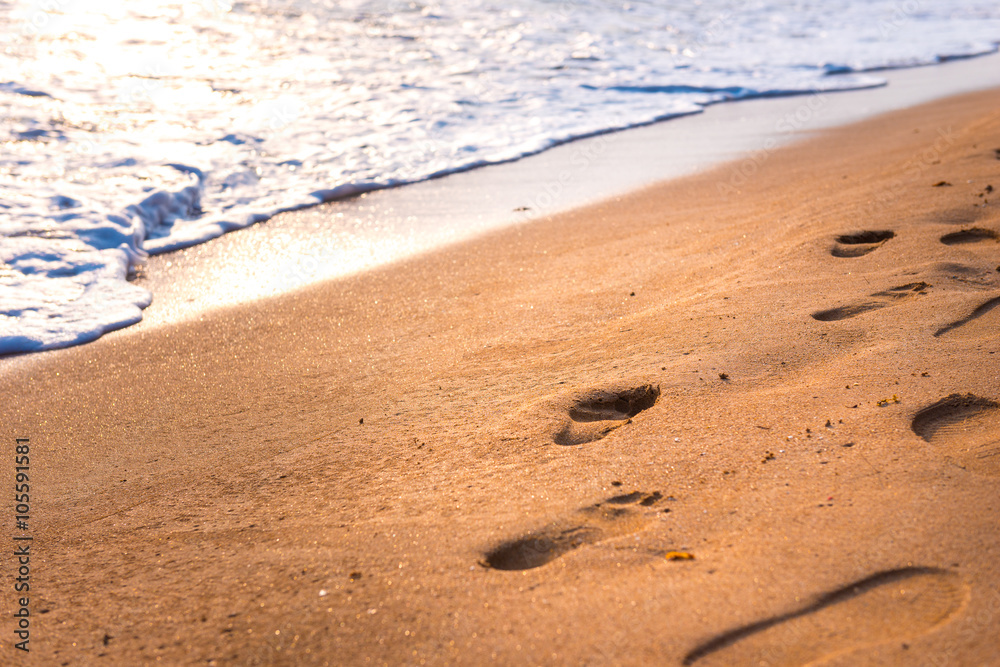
(143, 127)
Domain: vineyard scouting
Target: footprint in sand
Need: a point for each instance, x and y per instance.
(599, 413)
(972, 235)
(614, 517)
(967, 427)
(888, 606)
(880, 300)
(984, 317)
(860, 243)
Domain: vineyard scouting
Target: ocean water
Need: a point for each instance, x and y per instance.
(134, 128)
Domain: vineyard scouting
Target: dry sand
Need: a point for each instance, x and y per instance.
(746, 370)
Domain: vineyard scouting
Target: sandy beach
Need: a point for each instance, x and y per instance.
(750, 416)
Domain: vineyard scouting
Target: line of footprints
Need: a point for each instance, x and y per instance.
(895, 604)
(965, 426)
(862, 243)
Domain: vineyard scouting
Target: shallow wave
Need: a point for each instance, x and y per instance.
(149, 126)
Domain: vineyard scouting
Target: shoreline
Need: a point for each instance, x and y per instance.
(336, 239)
(459, 457)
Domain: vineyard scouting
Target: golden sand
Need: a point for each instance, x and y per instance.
(747, 416)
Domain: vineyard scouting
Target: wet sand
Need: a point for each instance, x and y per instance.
(331, 241)
(740, 417)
